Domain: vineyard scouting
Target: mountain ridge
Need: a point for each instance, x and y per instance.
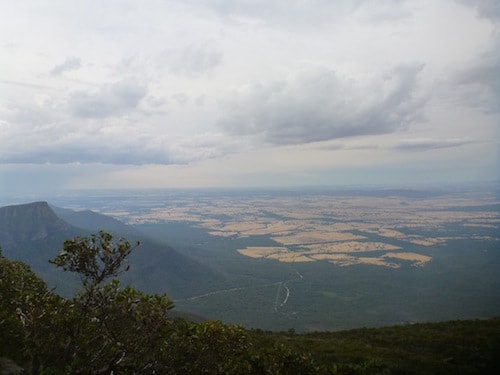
(36, 220)
(34, 233)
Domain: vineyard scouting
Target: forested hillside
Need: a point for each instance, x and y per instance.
(109, 328)
(34, 233)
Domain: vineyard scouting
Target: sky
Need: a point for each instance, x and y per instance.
(253, 93)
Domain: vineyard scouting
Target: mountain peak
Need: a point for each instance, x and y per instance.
(34, 220)
(40, 208)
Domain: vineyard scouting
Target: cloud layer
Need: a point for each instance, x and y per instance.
(109, 100)
(318, 105)
(186, 83)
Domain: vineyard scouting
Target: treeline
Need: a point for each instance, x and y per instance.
(106, 328)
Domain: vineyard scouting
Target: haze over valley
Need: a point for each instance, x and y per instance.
(321, 259)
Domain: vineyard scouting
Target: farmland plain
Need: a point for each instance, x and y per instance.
(328, 259)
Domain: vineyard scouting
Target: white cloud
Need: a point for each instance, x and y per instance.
(423, 144)
(319, 105)
(300, 15)
(71, 63)
(194, 60)
(479, 83)
(485, 8)
(258, 88)
(109, 100)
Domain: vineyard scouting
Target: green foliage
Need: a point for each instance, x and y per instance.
(94, 258)
(217, 348)
(120, 330)
(454, 347)
(210, 348)
(27, 310)
(109, 329)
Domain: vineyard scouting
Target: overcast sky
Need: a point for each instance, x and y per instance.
(227, 93)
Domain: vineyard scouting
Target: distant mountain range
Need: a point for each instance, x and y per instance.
(35, 232)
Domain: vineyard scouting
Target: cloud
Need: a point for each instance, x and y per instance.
(24, 84)
(479, 80)
(319, 105)
(27, 114)
(180, 98)
(425, 144)
(482, 82)
(203, 146)
(335, 146)
(71, 63)
(75, 153)
(194, 60)
(303, 14)
(489, 9)
(107, 146)
(382, 11)
(109, 100)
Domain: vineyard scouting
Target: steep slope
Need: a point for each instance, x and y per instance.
(155, 267)
(93, 221)
(34, 234)
(29, 222)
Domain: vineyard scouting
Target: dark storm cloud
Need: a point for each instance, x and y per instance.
(319, 105)
(110, 100)
(71, 63)
(429, 144)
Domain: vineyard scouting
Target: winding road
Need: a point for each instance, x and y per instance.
(277, 305)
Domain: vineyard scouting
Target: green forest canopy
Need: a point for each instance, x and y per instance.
(106, 328)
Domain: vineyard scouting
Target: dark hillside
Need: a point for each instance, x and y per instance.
(156, 268)
(29, 222)
(93, 221)
(452, 347)
(34, 233)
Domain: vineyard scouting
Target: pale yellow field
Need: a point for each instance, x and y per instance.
(306, 238)
(349, 260)
(417, 259)
(261, 252)
(351, 247)
(332, 228)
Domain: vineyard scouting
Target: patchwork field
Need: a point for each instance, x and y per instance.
(327, 260)
(342, 229)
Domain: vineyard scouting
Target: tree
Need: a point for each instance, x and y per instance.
(109, 329)
(94, 258)
(28, 309)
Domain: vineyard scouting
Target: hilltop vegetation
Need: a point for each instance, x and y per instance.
(107, 328)
(452, 347)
